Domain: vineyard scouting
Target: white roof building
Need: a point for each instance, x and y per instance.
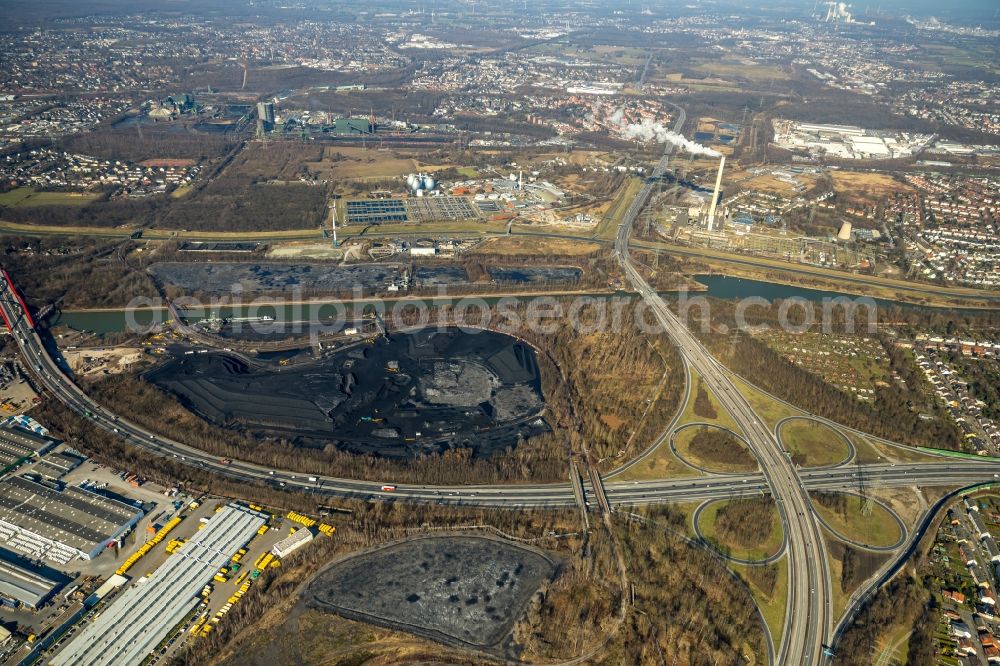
(138, 620)
(284, 547)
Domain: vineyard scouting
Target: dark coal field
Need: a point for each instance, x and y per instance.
(415, 393)
(465, 591)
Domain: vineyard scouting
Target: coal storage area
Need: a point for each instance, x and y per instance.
(414, 393)
(466, 591)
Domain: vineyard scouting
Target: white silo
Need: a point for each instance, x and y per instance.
(428, 182)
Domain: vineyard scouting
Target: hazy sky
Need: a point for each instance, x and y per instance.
(979, 8)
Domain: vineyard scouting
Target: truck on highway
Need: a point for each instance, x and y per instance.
(388, 488)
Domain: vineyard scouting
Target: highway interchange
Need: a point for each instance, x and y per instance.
(808, 617)
(809, 623)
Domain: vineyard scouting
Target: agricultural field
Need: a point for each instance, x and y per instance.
(347, 162)
(870, 187)
(854, 365)
(741, 68)
(28, 197)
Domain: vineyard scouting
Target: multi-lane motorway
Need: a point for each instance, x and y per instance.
(808, 617)
(51, 374)
(808, 620)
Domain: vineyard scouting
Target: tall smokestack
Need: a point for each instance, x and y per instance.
(715, 194)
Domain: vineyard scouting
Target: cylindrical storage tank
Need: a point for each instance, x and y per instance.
(411, 181)
(428, 182)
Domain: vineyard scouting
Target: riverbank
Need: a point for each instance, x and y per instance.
(815, 277)
(113, 320)
(733, 265)
(110, 320)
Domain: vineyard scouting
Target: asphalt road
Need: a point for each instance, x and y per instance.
(52, 374)
(807, 612)
(808, 620)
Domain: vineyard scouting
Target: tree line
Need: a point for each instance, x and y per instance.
(586, 379)
(745, 522)
(720, 446)
(898, 411)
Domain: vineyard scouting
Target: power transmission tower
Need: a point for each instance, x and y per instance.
(866, 500)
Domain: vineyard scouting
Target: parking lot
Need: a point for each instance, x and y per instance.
(16, 394)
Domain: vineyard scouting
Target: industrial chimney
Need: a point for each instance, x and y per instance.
(715, 194)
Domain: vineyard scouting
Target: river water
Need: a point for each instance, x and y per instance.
(718, 286)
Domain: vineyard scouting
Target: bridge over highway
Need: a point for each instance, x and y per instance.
(808, 619)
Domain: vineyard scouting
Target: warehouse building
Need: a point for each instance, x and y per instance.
(46, 522)
(289, 544)
(142, 616)
(23, 423)
(23, 585)
(57, 465)
(17, 445)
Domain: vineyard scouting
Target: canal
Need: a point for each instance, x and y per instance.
(717, 286)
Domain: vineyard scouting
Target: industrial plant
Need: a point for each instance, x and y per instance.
(500, 332)
(420, 183)
(847, 141)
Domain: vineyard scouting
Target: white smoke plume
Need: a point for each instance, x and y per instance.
(648, 131)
